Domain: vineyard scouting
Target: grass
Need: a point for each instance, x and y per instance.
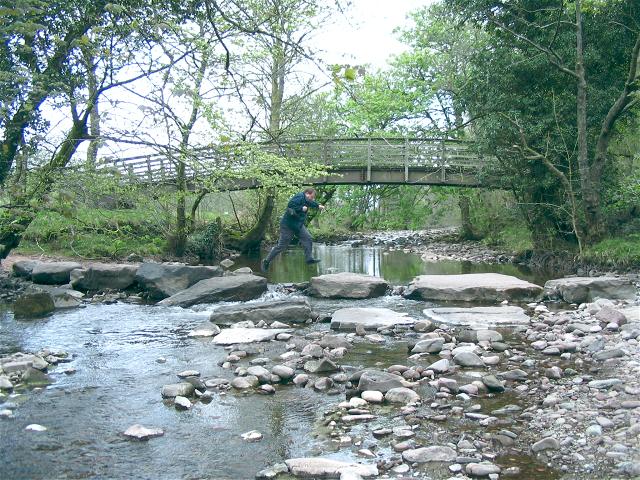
(516, 239)
(621, 251)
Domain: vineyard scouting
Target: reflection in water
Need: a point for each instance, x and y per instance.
(397, 267)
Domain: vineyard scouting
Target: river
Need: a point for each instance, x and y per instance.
(124, 353)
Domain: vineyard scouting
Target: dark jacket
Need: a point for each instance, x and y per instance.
(294, 217)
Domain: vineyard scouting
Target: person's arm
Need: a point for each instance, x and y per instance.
(296, 203)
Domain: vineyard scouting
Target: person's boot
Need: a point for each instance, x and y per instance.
(311, 261)
(264, 265)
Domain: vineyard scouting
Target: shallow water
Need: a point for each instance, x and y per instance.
(115, 351)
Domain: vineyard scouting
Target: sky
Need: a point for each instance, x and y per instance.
(365, 34)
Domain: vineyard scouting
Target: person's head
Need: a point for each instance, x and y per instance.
(310, 193)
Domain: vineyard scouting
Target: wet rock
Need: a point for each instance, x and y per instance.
(430, 345)
(318, 467)
(140, 432)
(468, 359)
(312, 350)
(604, 384)
(301, 379)
(368, 318)
(100, 276)
(548, 443)
(244, 383)
(492, 383)
(488, 336)
(252, 436)
(347, 285)
(486, 287)
(585, 289)
(208, 330)
(162, 280)
(34, 427)
(478, 317)
(181, 403)
(232, 336)
(483, 469)
(611, 315)
(56, 273)
(441, 366)
(294, 310)
(516, 374)
(273, 471)
(320, 366)
(401, 395)
(372, 396)
(24, 268)
(607, 354)
(263, 375)
(34, 377)
(34, 304)
(217, 289)
(5, 383)
(285, 373)
(183, 389)
(379, 381)
(435, 453)
(334, 341)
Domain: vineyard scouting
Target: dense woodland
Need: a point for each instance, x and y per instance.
(548, 88)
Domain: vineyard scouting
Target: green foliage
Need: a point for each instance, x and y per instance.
(207, 242)
(620, 251)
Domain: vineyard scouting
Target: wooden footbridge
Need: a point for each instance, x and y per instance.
(351, 161)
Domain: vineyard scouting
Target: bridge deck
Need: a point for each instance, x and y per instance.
(351, 161)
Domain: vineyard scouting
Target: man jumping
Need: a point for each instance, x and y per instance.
(292, 223)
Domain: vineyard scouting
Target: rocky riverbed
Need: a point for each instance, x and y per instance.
(404, 381)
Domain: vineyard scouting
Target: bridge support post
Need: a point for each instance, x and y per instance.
(406, 160)
(369, 161)
(443, 156)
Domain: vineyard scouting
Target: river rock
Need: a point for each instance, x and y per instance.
(472, 287)
(218, 289)
(206, 330)
(379, 381)
(317, 467)
(283, 372)
(430, 345)
(434, 453)
(53, 273)
(478, 317)
(101, 276)
(483, 469)
(139, 432)
(588, 289)
(323, 365)
(161, 280)
(441, 366)
(243, 383)
(24, 268)
(492, 383)
(295, 310)
(181, 403)
(372, 396)
(347, 285)
(548, 443)
(62, 297)
(183, 389)
(468, 359)
(34, 304)
(401, 395)
(368, 318)
(231, 336)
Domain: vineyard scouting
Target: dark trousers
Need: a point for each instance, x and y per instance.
(286, 235)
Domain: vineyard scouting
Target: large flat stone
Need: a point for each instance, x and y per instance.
(53, 273)
(295, 310)
(587, 289)
(219, 289)
(347, 285)
(162, 280)
(472, 287)
(369, 318)
(478, 317)
(101, 276)
(327, 468)
(231, 336)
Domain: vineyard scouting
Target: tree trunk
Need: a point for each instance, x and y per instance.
(251, 241)
(589, 183)
(466, 232)
(94, 116)
(181, 206)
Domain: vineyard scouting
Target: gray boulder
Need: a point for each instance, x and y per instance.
(24, 268)
(430, 345)
(53, 273)
(368, 318)
(434, 453)
(101, 276)
(402, 395)
(183, 389)
(472, 287)
(295, 310)
(317, 467)
(33, 304)
(347, 285)
(478, 317)
(468, 359)
(587, 289)
(232, 336)
(219, 289)
(162, 280)
(379, 381)
(62, 297)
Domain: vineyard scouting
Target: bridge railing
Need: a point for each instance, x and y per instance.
(339, 153)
